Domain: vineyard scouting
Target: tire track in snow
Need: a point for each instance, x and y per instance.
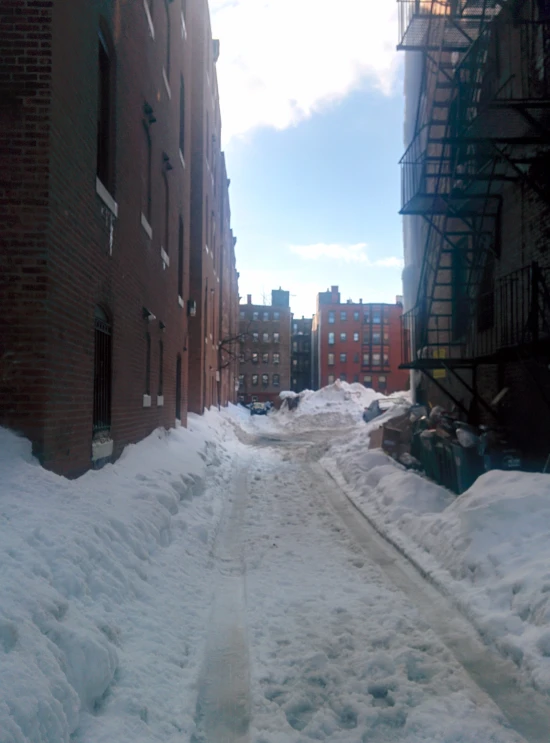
(223, 705)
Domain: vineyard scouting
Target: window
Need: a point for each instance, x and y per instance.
(105, 112)
(376, 339)
(382, 384)
(356, 336)
(343, 316)
(180, 257)
(330, 379)
(161, 369)
(276, 358)
(367, 381)
(331, 317)
(295, 327)
(343, 376)
(101, 420)
(295, 362)
(254, 337)
(343, 357)
(331, 359)
(376, 318)
(266, 316)
(168, 33)
(356, 377)
(295, 346)
(265, 337)
(386, 358)
(376, 359)
(275, 337)
(182, 116)
(366, 316)
(255, 315)
(147, 364)
(166, 236)
(241, 381)
(255, 378)
(276, 316)
(241, 358)
(343, 337)
(386, 336)
(265, 380)
(366, 338)
(265, 358)
(356, 316)
(356, 358)
(366, 359)
(276, 380)
(146, 198)
(331, 339)
(242, 314)
(255, 358)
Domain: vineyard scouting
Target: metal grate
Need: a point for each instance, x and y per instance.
(102, 373)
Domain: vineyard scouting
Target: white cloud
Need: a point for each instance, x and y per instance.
(283, 60)
(356, 253)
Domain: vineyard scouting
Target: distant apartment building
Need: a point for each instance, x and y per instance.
(358, 342)
(301, 354)
(109, 296)
(264, 356)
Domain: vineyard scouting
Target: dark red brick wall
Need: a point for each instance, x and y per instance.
(25, 104)
(64, 253)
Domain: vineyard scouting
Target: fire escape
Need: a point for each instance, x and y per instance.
(483, 121)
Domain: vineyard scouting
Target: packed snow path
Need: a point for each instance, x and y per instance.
(345, 642)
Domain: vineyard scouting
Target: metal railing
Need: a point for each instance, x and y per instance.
(423, 23)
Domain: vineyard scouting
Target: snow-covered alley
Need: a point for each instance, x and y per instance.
(218, 584)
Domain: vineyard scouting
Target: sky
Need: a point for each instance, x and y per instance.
(312, 126)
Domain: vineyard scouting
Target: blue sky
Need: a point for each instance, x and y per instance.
(312, 139)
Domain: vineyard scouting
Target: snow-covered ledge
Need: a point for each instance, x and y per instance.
(106, 197)
(160, 401)
(165, 257)
(146, 401)
(146, 226)
(102, 449)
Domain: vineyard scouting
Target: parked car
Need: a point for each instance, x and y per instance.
(258, 408)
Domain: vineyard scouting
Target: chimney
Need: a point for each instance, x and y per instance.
(361, 301)
(249, 298)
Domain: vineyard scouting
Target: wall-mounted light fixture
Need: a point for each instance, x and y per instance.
(149, 114)
(162, 326)
(147, 314)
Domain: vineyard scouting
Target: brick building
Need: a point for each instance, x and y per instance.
(264, 357)
(475, 197)
(96, 130)
(357, 342)
(301, 354)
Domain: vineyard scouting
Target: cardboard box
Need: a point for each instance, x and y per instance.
(375, 441)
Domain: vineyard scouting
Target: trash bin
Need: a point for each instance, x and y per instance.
(469, 466)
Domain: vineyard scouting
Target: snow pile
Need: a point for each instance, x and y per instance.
(337, 405)
(89, 617)
(489, 548)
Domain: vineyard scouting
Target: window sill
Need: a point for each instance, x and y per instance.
(146, 226)
(146, 401)
(106, 197)
(160, 401)
(102, 449)
(165, 258)
(166, 83)
(180, 301)
(182, 159)
(149, 19)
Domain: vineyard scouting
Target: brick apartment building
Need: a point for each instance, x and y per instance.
(264, 357)
(98, 141)
(477, 211)
(357, 342)
(301, 354)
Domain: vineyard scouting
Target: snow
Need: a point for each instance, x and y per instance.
(488, 548)
(205, 583)
(104, 600)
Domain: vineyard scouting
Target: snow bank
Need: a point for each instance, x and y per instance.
(88, 613)
(488, 548)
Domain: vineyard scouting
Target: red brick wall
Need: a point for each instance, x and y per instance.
(353, 367)
(85, 257)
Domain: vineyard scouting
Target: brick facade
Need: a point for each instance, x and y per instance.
(264, 356)
(75, 244)
(301, 354)
(358, 342)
